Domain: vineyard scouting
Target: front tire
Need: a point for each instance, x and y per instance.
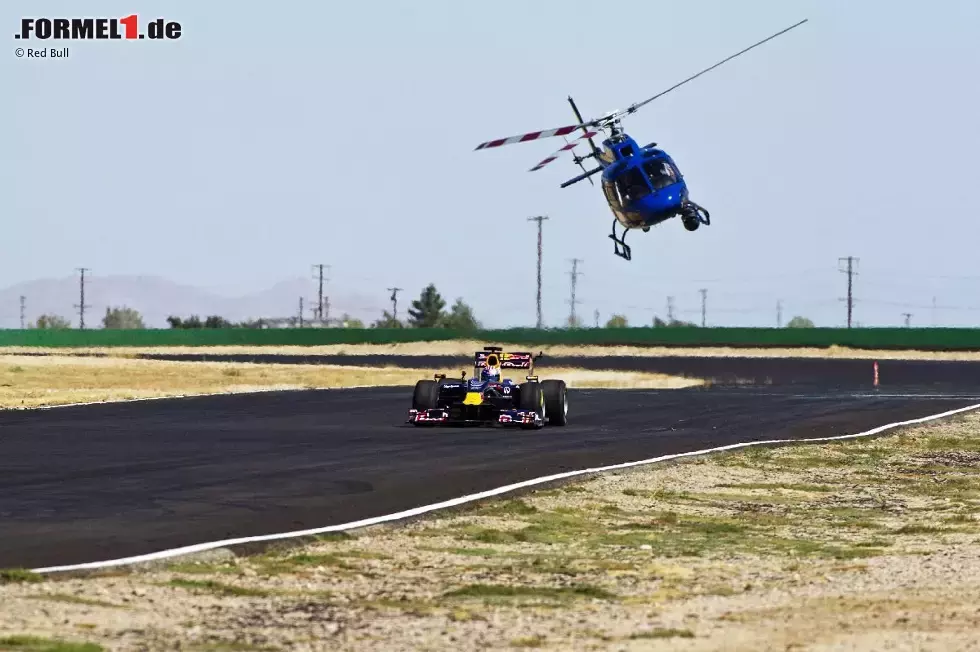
(556, 401)
(426, 395)
(533, 399)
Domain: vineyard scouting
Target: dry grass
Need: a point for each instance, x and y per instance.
(466, 348)
(30, 381)
(863, 545)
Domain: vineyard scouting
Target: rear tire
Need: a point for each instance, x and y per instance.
(556, 401)
(426, 395)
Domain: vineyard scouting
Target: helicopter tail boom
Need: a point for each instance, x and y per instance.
(582, 177)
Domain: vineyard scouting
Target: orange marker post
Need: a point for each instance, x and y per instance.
(876, 373)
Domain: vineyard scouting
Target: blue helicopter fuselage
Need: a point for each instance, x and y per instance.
(643, 186)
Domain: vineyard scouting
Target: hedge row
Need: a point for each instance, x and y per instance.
(935, 339)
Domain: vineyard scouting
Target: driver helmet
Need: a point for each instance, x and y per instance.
(492, 369)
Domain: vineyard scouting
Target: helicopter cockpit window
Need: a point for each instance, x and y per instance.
(632, 185)
(660, 173)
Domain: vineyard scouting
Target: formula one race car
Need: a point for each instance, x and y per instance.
(488, 398)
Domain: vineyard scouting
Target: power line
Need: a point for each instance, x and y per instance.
(539, 219)
(922, 306)
(23, 303)
(319, 309)
(850, 284)
(574, 274)
(81, 304)
(394, 302)
(704, 304)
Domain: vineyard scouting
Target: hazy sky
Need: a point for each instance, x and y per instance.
(266, 140)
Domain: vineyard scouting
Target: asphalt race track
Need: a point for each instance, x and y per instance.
(88, 483)
(824, 373)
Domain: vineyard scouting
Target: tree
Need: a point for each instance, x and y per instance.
(617, 321)
(123, 318)
(799, 322)
(51, 322)
(346, 321)
(387, 321)
(426, 311)
(215, 321)
(673, 323)
(176, 322)
(460, 318)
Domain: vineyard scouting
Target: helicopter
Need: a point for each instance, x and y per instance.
(642, 185)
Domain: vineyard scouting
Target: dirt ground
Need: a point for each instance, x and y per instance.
(858, 545)
(466, 348)
(32, 381)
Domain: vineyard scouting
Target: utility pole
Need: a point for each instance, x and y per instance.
(539, 219)
(81, 305)
(850, 284)
(908, 318)
(23, 304)
(319, 310)
(574, 274)
(779, 313)
(934, 311)
(394, 302)
(670, 310)
(704, 304)
(596, 315)
(301, 312)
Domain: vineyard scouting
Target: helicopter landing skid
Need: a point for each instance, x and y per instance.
(620, 242)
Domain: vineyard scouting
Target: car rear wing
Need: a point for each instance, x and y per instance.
(513, 360)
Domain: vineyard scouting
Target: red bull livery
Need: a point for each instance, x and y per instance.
(490, 398)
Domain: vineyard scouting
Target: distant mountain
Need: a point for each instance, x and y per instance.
(156, 298)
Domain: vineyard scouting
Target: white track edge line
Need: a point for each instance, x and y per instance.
(415, 511)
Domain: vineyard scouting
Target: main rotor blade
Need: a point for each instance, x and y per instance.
(569, 146)
(634, 107)
(534, 135)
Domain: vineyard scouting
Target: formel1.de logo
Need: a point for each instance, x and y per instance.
(80, 29)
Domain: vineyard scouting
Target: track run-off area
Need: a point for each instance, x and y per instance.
(82, 484)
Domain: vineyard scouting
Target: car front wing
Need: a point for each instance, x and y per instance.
(507, 417)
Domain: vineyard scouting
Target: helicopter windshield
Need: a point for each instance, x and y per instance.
(660, 173)
(632, 185)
